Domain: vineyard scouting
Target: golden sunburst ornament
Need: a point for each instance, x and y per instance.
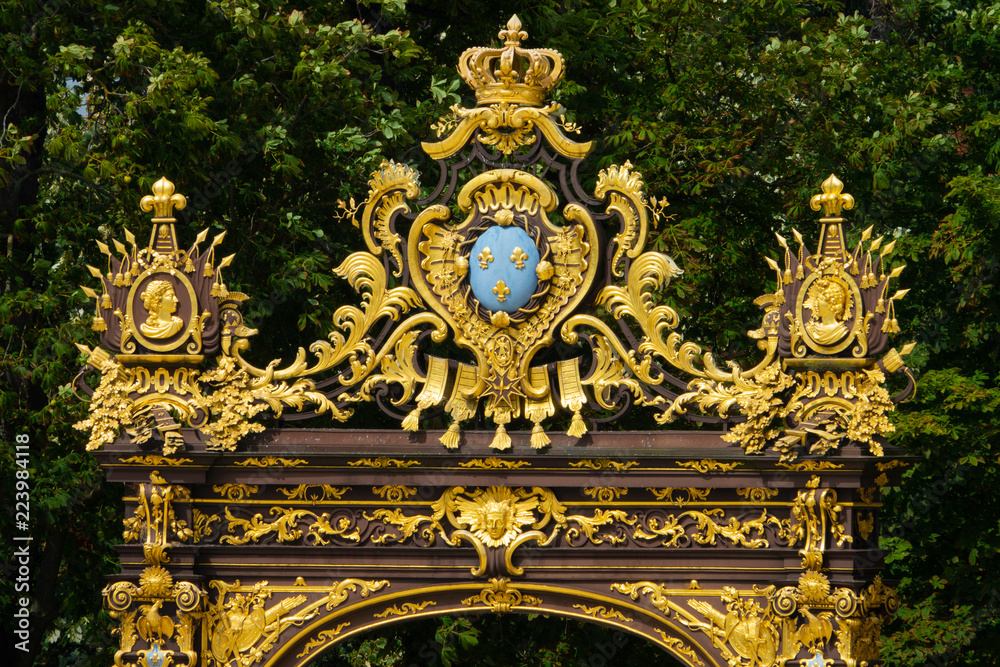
(496, 516)
(815, 587)
(156, 581)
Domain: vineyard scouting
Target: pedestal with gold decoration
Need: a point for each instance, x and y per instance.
(754, 545)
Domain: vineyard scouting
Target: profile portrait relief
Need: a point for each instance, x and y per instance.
(160, 301)
(829, 302)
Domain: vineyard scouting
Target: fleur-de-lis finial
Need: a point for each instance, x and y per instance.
(513, 35)
(832, 200)
(163, 200)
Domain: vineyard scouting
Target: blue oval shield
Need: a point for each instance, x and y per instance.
(502, 268)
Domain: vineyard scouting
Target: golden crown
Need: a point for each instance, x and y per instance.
(511, 74)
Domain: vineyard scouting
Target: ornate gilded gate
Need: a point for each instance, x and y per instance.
(754, 545)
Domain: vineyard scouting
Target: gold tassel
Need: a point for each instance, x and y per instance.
(99, 324)
(538, 437)
(891, 325)
(105, 301)
(854, 267)
(800, 273)
(501, 440)
(223, 292)
(189, 265)
(135, 269)
(119, 280)
(412, 421)
(215, 290)
(880, 308)
(451, 436)
(577, 428)
(787, 277)
(209, 271)
(127, 278)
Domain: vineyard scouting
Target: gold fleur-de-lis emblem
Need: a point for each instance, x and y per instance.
(501, 290)
(518, 257)
(832, 200)
(485, 257)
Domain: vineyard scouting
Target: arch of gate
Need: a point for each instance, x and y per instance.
(322, 635)
(754, 544)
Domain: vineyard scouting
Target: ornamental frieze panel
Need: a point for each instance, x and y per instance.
(495, 517)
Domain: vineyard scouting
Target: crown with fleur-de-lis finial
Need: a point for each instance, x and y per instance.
(511, 74)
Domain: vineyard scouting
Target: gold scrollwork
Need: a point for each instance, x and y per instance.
(758, 494)
(493, 463)
(285, 527)
(501, 598)
(155, 460)
(506, 127)
(313, 492)
(407, 609)
(666, 495)
(705, 466)
(387, 188)
(811, 465)
(624, 190)
(269, 461)
(394, 493)
(603, 464)
(202, 524)
(674, 530)
(603, 612)
(322, 639)
(659, 596)
(679, 645)
(605, 494)
(235, 491)
(383, 462)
